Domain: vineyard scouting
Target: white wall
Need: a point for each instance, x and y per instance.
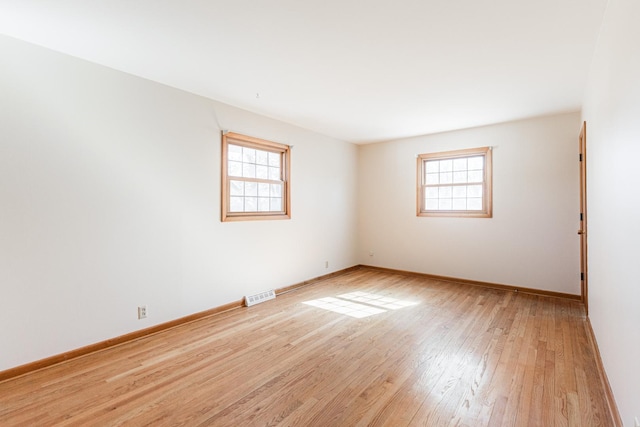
(110, 198)
(531, 240)
(612, 112)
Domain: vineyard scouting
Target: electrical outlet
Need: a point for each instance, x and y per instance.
(370, 253)
(326, 264)
(142, 312)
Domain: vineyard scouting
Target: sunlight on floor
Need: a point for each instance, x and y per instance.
(344, 307)
(378, 300)
(360, 304)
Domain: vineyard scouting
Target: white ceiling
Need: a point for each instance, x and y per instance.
(358, 70)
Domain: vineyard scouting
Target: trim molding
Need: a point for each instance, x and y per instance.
(112, 342)
(286, 289)
(477, 283)
(611, 402)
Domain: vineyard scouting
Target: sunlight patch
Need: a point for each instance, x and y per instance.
(345, 307)
(378, 300)
(360, 304)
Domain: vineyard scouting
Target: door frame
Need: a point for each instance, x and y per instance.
(582, 231)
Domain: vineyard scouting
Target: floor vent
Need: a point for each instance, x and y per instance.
(250, 300)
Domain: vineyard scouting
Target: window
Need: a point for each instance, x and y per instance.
(455, 183)
(255, 179)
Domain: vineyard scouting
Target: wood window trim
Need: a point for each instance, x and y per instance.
(285, 165)
(486, 212)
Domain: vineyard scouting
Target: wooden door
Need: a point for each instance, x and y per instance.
(582, 232)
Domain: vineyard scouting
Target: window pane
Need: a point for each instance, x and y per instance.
(433, 167)
(276, 190)
(474, 204)
(248, 170)
(276, 204)
(274, 159)
(445, 192)
(431, 204)
(444, 204)
(262, 157)
(433, 178)
(250, 204)
(476, 176)
(234, 168)
(476, 163)
(446, 177)
(431, 192)
(262, 172)
(460, 164)
(459, 191)
(263, 189)
(474, 190)
(236, 204)
(234, 152)
(251, 189)
(446, 165)
(274, 174)
(248, 155)
(460, 177)
(263, 204)
(236, 188)
(459, 204)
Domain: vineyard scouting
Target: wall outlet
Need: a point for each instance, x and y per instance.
(326, 264)
(142, 312)
(370, 253)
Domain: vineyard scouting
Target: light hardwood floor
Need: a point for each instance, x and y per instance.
(459, 356)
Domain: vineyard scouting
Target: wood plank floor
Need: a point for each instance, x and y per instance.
(435, 354)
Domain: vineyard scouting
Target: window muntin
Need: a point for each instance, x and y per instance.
(255, 178)
(455, 183)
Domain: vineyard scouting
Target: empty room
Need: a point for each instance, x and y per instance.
(336, 213)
